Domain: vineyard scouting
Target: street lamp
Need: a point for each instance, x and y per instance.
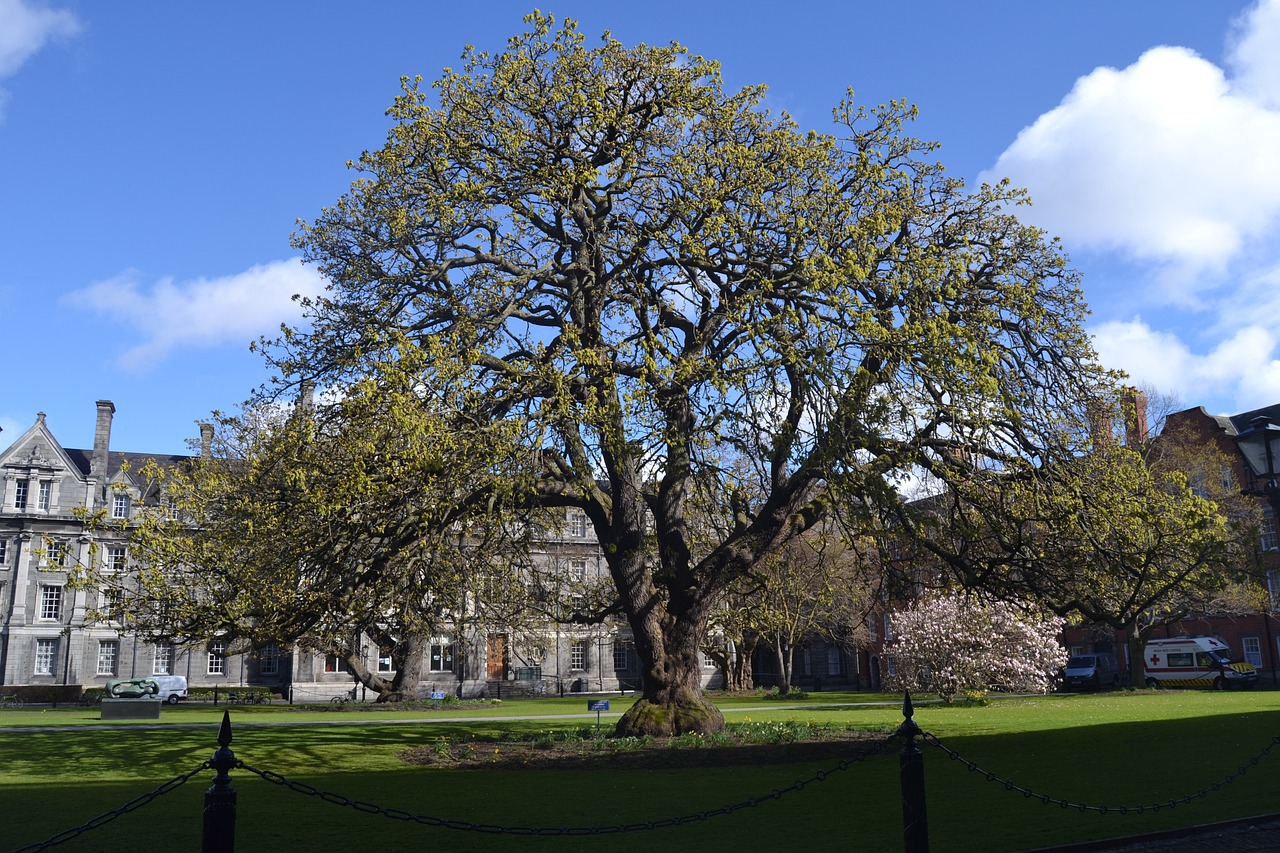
(1255, 446)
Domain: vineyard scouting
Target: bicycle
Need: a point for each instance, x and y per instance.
(344, 698)
(248, 698)
(10, 700)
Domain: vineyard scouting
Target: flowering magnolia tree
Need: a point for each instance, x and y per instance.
(951, 643)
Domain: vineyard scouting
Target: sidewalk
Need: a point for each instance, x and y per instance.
(1259, 834)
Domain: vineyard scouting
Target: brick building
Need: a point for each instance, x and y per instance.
(1254, 637)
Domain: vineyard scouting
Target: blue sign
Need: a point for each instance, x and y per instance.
(437, 695)
(597, 704)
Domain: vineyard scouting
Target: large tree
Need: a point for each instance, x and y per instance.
(661, 284)
(1114, 540)
(817, 586)
(328, 521)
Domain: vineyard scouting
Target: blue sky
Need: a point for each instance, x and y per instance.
(155, 156)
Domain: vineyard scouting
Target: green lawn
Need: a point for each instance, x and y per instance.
(1121, 749)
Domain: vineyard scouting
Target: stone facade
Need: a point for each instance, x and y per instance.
(54, 634)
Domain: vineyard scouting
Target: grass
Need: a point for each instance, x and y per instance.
(1115, 749)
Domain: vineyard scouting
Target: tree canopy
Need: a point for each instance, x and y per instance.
(671, 297)
(320, 521)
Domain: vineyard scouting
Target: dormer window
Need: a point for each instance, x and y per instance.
(20, 488)
(43, 495)
(120, 506)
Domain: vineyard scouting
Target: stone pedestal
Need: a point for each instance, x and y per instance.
(131, 709)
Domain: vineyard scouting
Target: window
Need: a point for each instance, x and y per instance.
(108, 653)
(1252, 651)
(55, 553)
(163, 663)
(269, 660)
(111, 603)
(46, 654)
(833, 661)
(20, 494)
(50, 602)
(4, 551)
(578, 655)
(384, 662)
(119, 506)
(217, 658)
(1273, 585)
(42, 496)
(1268, 531)
(578, 525)
(621, 655)
(707, 661)
(333, 663)
(115, 558)
(1197, 486)
(441, 657)
(578, 569)
(1180, 659)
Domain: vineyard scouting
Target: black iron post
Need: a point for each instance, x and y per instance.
(915, 823)
(220, 799)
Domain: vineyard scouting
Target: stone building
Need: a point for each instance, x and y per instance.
(55, 634)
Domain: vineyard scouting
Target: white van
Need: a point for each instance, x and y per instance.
(173, 688)
(1195, 662)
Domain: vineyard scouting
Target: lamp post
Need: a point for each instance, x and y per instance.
(1255, 445)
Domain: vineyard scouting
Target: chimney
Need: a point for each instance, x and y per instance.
(1136, 428)
(101, 441)
(1101, 423)
(206, 439)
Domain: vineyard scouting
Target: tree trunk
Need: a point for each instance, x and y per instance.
(744, 675)
(1136, 638)
(740, 675)
(407, 658)
(670, 652)
(783, 656)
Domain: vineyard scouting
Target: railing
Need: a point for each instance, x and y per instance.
(219, 813)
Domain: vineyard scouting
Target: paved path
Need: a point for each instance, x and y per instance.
(1252, 835)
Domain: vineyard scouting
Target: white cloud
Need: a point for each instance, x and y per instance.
(202, 312)
(1255, 53)
(25, 27)
(1167, 160)
(1242, 370)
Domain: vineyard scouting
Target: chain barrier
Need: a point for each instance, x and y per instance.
(132, 805)
(1174, 802)
(447, 823)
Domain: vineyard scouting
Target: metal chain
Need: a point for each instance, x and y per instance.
(1124, 810)
(132, 805)
(447, 823)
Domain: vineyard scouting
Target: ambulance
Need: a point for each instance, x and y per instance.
(1195, 662)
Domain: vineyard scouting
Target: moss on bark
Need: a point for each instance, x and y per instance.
(667, 720)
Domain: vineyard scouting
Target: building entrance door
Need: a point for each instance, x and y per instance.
(496, 657)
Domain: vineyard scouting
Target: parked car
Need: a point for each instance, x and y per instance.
(1091, 671)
